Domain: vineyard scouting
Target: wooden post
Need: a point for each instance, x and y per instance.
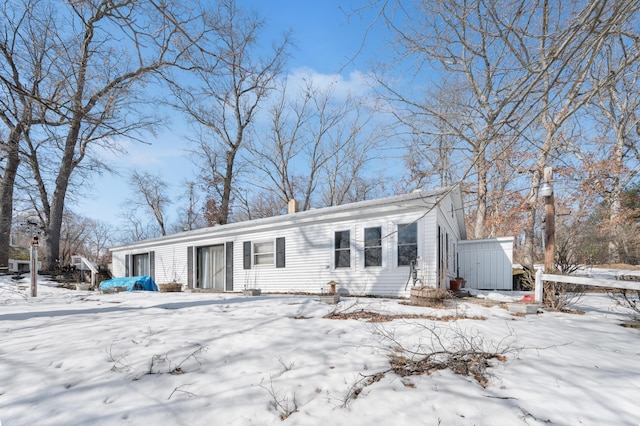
(550, 225)
(538, 288)
(33, 267)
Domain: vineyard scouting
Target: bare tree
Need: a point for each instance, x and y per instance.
(317, 148)
(570, 45)
(134, 228)
(27, 92)
(191, 212)
(73, 237)
(150, 193)
(615, 108)
(432, 146)
(524, 66)
(229, 86)
(273, 152)
(100, 236)
(353, 149)
(477, 48)
(260, 205)
(105, 52)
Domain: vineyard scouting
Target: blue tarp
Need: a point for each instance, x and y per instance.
(130, 283)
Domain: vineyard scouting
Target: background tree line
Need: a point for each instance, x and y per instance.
(492, 91)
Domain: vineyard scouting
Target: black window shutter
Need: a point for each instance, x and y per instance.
(228, 264)
(280, 252)
(152, 265)
(189, 267)
(246, 255)
(126, 265)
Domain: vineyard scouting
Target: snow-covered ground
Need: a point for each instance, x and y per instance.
(82, 358)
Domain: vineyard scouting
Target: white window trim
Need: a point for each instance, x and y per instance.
(382, 245)
(132, 261)
(254, 254)
(396, 241)
(351, 249)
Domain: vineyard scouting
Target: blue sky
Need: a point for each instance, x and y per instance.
(327, 33)
(329, 43)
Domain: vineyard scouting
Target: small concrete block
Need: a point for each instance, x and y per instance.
(522, 308)
(331, 299)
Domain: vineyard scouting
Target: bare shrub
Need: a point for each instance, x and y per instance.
(628, 299)
(566, 259)
(378, 317)
(358, 386)
(560, 296)
(438, 347)
(195, 356)
(463, 351)
(185, 392)
(284, 405)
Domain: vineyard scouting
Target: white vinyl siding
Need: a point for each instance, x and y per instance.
(310, 249)
(487, 264)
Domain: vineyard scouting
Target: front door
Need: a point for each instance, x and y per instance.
(211, 267)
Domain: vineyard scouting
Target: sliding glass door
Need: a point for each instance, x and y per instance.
(211, 267)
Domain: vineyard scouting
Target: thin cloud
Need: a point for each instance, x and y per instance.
(355, 84)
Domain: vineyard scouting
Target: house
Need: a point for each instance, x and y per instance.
(368, 247)
(20, 260)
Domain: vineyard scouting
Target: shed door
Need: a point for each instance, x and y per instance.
(486, 264)
(211, 267)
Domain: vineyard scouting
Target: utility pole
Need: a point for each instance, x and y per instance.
(550, 221)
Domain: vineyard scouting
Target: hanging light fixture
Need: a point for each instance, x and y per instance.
(546, 189)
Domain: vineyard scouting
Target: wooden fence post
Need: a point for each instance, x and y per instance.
(538, 287)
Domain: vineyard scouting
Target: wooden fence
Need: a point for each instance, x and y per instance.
(571, 279)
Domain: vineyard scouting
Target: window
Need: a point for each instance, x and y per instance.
(342, 249)
(140, 264)
(263, 253)
(372, 247)
(280, 252)
(407, 243)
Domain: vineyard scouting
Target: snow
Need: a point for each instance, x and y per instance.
(84, 358)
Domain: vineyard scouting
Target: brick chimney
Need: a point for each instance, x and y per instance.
(292, 207)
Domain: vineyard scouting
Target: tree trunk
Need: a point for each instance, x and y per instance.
(532, 198)
(54, 222)
(6, 193)
(616, 201)
(481, 211)
(227, 185)
(530, 222)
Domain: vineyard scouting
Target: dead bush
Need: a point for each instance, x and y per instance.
(378, 317)
(463, 351)
(628, 299)
(438, 347)
(560, 296)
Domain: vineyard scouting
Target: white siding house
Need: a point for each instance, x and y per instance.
(367, 247)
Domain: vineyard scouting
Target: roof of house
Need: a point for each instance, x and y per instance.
(416, 199)
(18, 253)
